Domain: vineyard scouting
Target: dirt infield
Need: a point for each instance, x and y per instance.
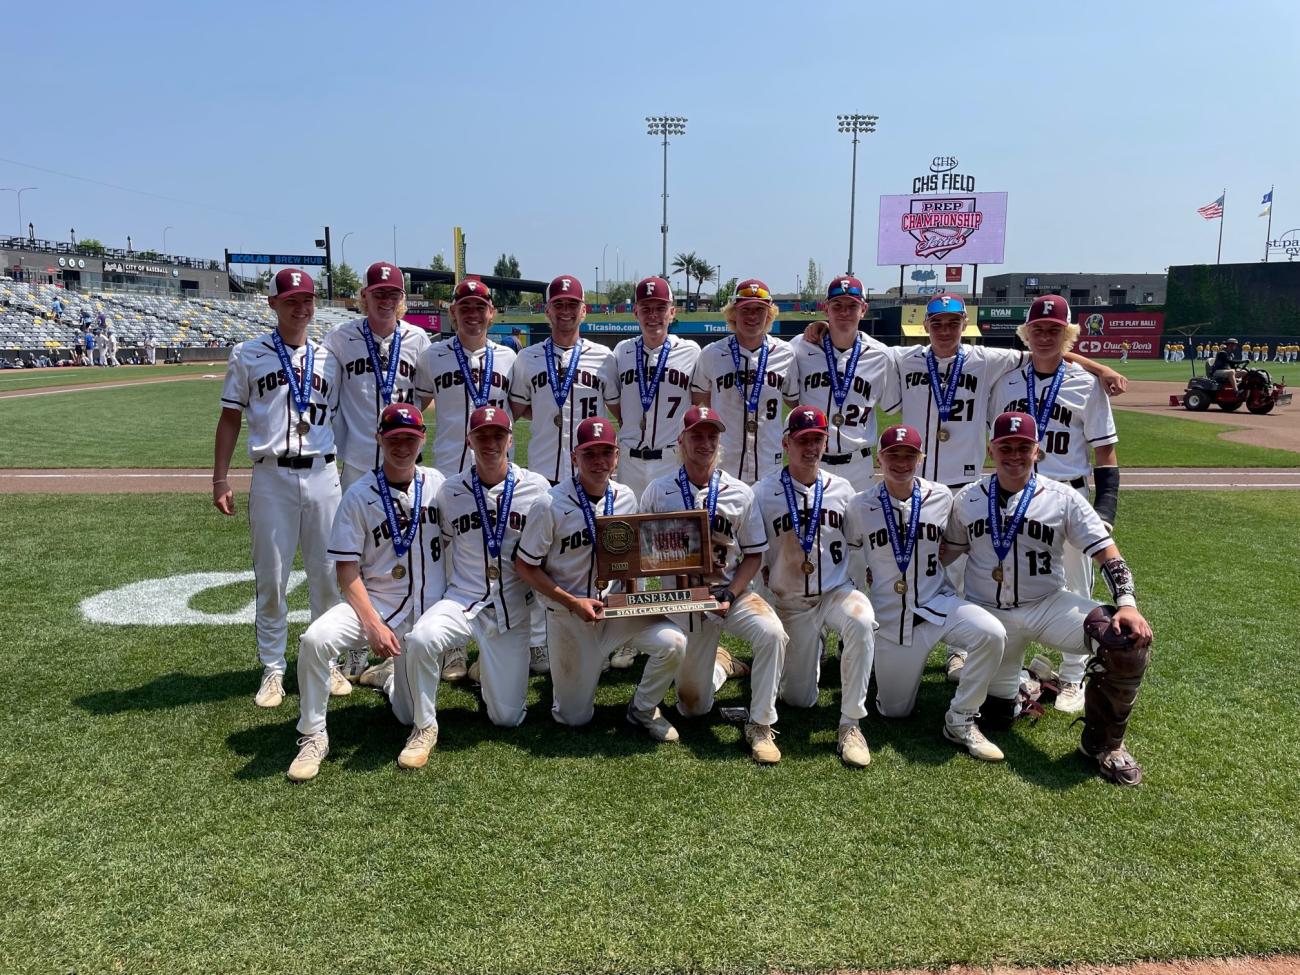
(83, 387)
(1277, 429)
(1278, 965)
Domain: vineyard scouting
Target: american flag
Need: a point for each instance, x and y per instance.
(1212, 211)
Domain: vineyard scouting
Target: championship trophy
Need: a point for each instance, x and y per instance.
(633, 547)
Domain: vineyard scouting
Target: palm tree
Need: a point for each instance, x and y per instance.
(686, 263)
(704, 271)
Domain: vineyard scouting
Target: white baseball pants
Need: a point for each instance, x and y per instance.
(751, 619)
(637, 473)
(350, 475)
(1079, 577)
(848, 612)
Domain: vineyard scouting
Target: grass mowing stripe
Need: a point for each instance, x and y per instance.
(14, 380)
(150, 827)
(1147, 440)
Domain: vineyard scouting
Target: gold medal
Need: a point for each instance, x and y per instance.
(838, 419)
(399, 572)
(559, 420)
(943, 434)
(807, 567)
(600, 585)
(303, 428)
(998, 574)
(900, 586)
(493, 573)
(751, 425)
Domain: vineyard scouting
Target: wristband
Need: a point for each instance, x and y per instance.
(724, 595)
(1106, 493)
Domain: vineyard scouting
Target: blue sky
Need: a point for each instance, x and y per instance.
(1108, 124)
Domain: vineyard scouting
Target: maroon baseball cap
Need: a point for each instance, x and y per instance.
(805, 419)
(1049, 308)
(401, 418)
(846, 286)
(593, 432)
(489, 416)
(653, 289)
(565, 286)
(292, 281)
(899, 435)
(472, 289)
(702, 414)
(381, 274)
(752, 290)
(1014, 426)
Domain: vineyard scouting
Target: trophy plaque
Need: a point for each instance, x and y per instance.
(634, 547)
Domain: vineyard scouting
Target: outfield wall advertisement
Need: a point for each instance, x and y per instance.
(966, 228)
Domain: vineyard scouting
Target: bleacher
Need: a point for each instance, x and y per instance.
(27, 320)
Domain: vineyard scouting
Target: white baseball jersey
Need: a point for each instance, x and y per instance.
(467, 556)
(928, 593)
(360, 401)
(361, 534)
(959, 459)
(663, 421)
(737, 527)
(1081, 418)
(255, 384)
(557, 538)
(1034, 566)
(748, 456)
(791, 589)
(874, 388)
(438, 377)
(549, 450)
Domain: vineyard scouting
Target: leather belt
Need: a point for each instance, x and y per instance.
(1079, 482)
(645, 453)
(845, 458)
(301, 463)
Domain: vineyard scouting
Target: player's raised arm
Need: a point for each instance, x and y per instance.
(1115, 383)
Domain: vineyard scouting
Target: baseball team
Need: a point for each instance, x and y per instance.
(777, 440)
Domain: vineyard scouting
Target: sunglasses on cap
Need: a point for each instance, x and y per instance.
(837, 292)
(753, 291)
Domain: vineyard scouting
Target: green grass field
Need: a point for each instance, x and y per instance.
(15, 380)
(150, 828)
(1180, 372)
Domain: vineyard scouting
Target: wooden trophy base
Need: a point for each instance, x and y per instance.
(659, 602)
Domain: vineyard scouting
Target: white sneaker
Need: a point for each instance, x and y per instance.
(454, 667)
(271, 693)
(969, 737)
(312, 750)
(339, 686)
(1070, 698)
(952, 669)
(356, 664)
(418, 746)
(539, 660)
(852, 746)
(376, 676)
(762, 743)
(623, 658)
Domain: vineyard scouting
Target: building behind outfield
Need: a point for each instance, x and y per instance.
(35, 261)
(1080, 290)
(1242, 299)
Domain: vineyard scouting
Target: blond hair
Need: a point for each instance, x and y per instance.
(729, 314)
(1067, 340)
(364, 307)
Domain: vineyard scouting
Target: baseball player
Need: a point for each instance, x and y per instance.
(806, 578)
(556, 384)
(557, 559)
(742, 377)
(387, 551)
(482, 514)
(377, 357)
(738, 542)
(900, 524)
(289, 387)
(1016, 527)
(458, 376)
(1073, 417)
(849, 376)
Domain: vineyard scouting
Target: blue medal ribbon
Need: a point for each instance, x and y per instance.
(903, 549)
(299, 391)
(945, 395)
(560, 388)
(1043, 413)
(688, 497)
(840, 385)
(495, 535)
(384, 379)
(588, 515)
(1002, 540)
(760, 376)
(806, 534)
(401, 539)
(478, 392)
(649, 387)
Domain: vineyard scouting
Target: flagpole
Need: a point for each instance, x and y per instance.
(1268, 234)
(1219, 253)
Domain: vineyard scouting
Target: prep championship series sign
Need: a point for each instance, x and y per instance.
(954, 228)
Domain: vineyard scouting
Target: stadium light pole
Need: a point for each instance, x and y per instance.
(664, 126)
(858, 125)
(343, 245)
(19, 192)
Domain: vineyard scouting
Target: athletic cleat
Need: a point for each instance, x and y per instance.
(418, 746)
(312, 750)
(376, 676)
(1116, 765)
(969, 737)
(339, 686)
(271, 693)
(1070, 698)
(852, 746)
(952, 669)
(539, 660)
(453, 665)
(357, 662)
(623, 658)
(762, 743)
(731, 665)
(475, 672)
(654, 722)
